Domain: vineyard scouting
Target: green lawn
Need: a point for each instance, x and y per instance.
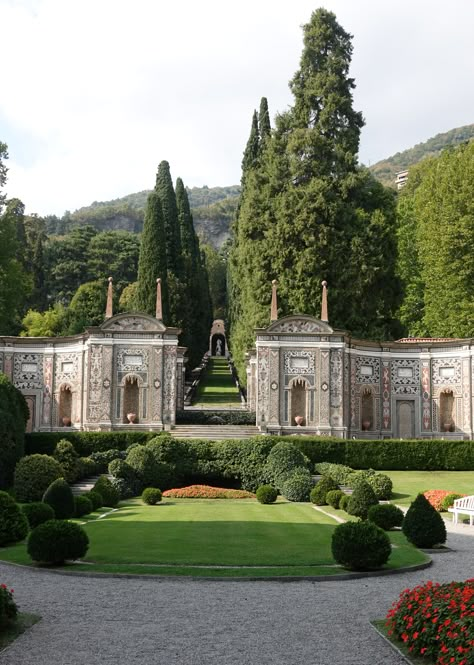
(177, 536)
(217, 387)
(407, 484)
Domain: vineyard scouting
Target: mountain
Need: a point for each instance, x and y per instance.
(386, 169)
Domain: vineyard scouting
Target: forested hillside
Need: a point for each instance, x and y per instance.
(386, 169)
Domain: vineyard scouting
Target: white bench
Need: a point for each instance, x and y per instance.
(464, 506)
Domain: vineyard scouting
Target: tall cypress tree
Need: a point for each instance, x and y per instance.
(264, 125)
(152, 260)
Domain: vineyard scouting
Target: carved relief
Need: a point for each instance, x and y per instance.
(299, 325)
(336, 378)
(425, 396)
(324, 394)
(354, 400)
(47, 389)
(95, 383)
(446, 371)
(299, 362)
(169, 388)
(132, 323)
(263, 374)
(28, 371)
(465, 394)
(132, 359)
(406, 376)
(368, 369)
(386, 415)
(8, 365)
(67, 368)
(1, 362)
(157, 393)
(274, 396)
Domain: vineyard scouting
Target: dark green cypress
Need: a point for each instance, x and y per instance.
(152, 259)
(264, 125)
(251, 151)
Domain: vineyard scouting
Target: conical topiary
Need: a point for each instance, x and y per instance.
(423, 525)
(60, 498)
(320, 490)
(362, 498)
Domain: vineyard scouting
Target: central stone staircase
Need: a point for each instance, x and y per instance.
(214, 432)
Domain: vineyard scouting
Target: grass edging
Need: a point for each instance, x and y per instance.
(23, 622)
(379, 626)
(216, 578)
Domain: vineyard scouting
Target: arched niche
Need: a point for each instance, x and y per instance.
(446, 411)
(131, 386)
(65, 405)
(218, 347)
(367, 410)
(299, 401)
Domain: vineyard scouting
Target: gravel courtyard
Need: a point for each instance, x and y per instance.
(90, 621)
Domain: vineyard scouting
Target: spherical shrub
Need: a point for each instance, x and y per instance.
(356, 477)
(60, 497)
(56, 541)
(107, 491)
(266, 494)
(82, 505)
(344, 502)
(423, 525)
(95, 498)
(282, 460)
(360, 546)
(449, 500)
(322, 487)
(125, 488)
(361, 499)
(103, 458)
(382, 486)
(66, 455)
(119, 468)
(38, 512)
(385, 515)
(333, 498)
(298, 486)
(151, 496)
(33, 475)
(13, 523)
(87, 467)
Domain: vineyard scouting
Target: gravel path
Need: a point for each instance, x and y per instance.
(90, 621)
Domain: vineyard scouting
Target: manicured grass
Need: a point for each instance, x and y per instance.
(217, 388)
(17, 627)
(407, 484)
(178, 536)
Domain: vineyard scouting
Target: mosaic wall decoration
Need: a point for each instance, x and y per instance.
(446, 371)
(299, 362)
(263, 376)
(405, 376)
(28, 371)
(368, 369)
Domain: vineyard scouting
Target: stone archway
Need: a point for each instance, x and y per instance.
(217, 339)
(299, 401)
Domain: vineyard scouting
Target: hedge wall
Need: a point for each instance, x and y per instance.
(13, 418)
(232, 458)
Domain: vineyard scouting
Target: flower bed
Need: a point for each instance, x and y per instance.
(8, 608)
(436, 621)
(435, 497)
(207, 492)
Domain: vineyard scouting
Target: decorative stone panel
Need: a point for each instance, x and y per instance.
(67, 369)
(263, 377)
(132, 359)
(367, 369)
(405, 376)
(324, 389)
(446, 371)
(386, 395)
(47, 389)
(156, 392)
(299, 362)
(28, 371)
(425, 396)
(169, 388)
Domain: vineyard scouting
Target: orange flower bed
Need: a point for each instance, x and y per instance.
(207, 492)
(435, 497)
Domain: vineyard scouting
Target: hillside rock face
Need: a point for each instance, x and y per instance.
(215, 232)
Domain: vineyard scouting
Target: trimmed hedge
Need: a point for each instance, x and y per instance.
(385, 515)
(151, 496)
(56, 541)
(82, 505)
(360, 546)
(298, 485)
(107, 491)
(266, 494)
(13, 418)
(84, 443)
(33, 476)
(13, 522)
(423, 525)
(37, 512)
(60, 497)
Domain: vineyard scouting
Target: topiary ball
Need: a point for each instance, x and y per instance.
(107, 491)
(151, 496)
(423, 525)
(282, 460)
(60, 497)
(385, 515)
(297, 486)
(382, 486)
(266, 494)
(82, 505)
(56, 541)
(344, 500)
(360, 546)
(95, 498)
(38, 512)
(449, 500)
(361, 499)
(319, 491)
(13, 523)
(33, 475)
(333, 498)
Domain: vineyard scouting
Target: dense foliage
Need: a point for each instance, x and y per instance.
(57, 541)
(360, 546)
(37, 512)
(423, 525)
(8, 607)
(107, 491)
(385, 515)
(436, 621)
(298, 485)
(13, 418)
(33, 475)
(320, 491)
(59, 496)
(13, 523)
(82, 505)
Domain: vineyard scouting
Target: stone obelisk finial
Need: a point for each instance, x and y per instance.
(274, 307)
(324, 303)
(159, 309)
(109, 309)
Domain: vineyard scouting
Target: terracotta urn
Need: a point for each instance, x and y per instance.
(66, 421)
(299, 420)
(131, 417)
(447, 427)
(365, 425)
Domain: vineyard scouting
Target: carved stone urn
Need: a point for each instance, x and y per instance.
(447, 427)
(66, 421)
(131, 417)
(366, 425)
(299, 420)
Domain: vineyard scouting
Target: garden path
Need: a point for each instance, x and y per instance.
(183, 622)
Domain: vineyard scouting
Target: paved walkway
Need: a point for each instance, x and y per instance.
(89, 621)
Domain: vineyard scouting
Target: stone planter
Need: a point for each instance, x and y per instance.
(299, 420)
(66, 421)
(132, 418)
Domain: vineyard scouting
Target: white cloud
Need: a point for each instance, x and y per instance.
(97, 92)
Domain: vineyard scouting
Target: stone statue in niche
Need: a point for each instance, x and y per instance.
(219, 348)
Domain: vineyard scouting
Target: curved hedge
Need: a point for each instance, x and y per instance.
(13, 418)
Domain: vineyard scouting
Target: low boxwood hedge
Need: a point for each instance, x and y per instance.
(233, 417)
(84, 443)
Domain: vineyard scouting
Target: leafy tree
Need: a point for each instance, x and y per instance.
(51, 323)
(3, 172)
(128, 298)
(87, 307)
(114, 253)
(152, 260)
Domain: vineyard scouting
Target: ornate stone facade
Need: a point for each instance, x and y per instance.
(89, 381)
(333, 384)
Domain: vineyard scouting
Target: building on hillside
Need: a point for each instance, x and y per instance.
(303, 371)
(401, 179)
(127, 372)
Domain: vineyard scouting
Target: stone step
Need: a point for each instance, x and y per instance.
(86, 484)
(214, 432)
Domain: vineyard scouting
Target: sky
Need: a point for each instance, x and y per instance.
(95, 93)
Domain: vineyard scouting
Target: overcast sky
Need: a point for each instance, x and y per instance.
(95, 93)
